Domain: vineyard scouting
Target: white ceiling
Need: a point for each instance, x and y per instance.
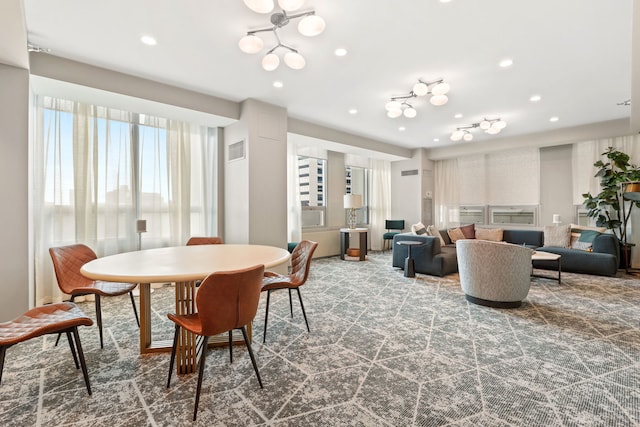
(576, 54)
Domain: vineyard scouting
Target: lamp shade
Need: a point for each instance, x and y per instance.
(311, 26)
(260, 6)
(294, 60)
(352, 201)
(439, 100)
(270, 62)
(631, 191)
(290, 5)
(420, 89)
(251, 44)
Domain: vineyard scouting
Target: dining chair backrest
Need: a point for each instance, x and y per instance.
(67, 261)
(301, 261)
(394, 224)
(228, 300)
(204, 241)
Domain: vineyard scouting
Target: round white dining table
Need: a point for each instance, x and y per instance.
(184, 265)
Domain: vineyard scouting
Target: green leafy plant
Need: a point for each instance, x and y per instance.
(607, 207)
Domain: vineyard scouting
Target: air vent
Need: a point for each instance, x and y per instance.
(409, 172)
(236, 151)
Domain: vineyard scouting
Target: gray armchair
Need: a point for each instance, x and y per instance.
(494, 274)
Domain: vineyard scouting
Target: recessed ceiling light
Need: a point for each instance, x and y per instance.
(458, 116)
(437, 139)
(278, 84)
(506, 63)
(341, 51)
(554, 119)
(402, 128)
(149, 40)
(353, 111)
(535, 98)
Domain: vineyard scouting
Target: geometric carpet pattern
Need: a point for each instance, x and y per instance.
(384, 350)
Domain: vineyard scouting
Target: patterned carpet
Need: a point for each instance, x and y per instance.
(383, 350)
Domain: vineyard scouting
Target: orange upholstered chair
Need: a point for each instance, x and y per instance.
(67, 261)
(300, 263)
(204, 241)
(225, 301)
(64, 317)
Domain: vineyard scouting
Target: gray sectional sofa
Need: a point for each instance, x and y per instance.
(437, 260)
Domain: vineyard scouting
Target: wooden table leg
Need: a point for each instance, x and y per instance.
(186, 353)
(145, 316)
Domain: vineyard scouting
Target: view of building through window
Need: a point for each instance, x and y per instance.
(311, 175)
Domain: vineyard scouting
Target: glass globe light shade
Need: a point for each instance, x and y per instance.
(485, 124)
(270, 62)
(259, 6)
(251, 44)
(393, 105)
(290, 5)
(311, 25)
(467, 136)
(457, 135)
(393, 113)
(410, 112)
(294, 60)
(492, 131)
(420, 89)
(438, 100)
(500, 124)
(441, 88)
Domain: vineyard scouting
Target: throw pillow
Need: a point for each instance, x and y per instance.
(469, 231)
(433, 231)
(585, 240)
(418, 229)
(455, 234)
(558, 236)
(491, 234)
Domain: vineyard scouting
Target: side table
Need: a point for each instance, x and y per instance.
(344, 243)
(409, 267)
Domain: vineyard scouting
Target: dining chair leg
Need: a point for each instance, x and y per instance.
(73, 297)
(173, 353)
(266, 317)
(231, 346)
(200, 374)
(73, 349)
(290, 303)
(99, 318)
(135, 310)
(302, 306)
(3, 351)
(253, 359)
(83, 363)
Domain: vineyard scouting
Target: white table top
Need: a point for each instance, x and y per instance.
(181, 263)
(544, 256)
(354, 230)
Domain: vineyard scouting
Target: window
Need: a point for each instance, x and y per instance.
(517, 215)
(311, 172)
(357, 182)
(472, 214)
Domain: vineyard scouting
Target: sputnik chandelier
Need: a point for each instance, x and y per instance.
(310, 25)
(490, 126)
(400, 105)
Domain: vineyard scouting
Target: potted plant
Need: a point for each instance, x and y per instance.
(607, 207)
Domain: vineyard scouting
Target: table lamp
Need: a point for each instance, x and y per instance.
(352, 202)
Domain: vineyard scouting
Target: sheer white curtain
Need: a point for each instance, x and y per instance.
(294, 208)
(586, 153)
(93, 166)
(446, 195)
(380, 204)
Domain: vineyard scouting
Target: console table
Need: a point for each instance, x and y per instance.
(344, 243)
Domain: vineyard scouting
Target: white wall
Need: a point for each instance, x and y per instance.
(556, 185)
(15, 253)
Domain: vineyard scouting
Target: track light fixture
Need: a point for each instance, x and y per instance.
(490, 126)
(311, 25)
(399, 105)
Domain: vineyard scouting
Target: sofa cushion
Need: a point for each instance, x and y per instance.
(455, 234)
(490, 234)
(557, 236)
(433, 231)
(419, 229)
(469, 231)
